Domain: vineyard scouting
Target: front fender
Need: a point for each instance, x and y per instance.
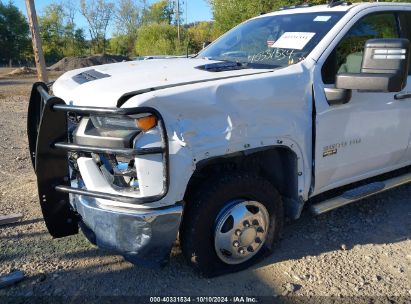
(217, 118)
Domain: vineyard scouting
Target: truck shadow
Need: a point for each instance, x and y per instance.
(382, 219)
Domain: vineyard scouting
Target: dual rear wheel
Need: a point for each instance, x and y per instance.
(230, 223)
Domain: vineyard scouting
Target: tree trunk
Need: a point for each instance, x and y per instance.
(10, 63)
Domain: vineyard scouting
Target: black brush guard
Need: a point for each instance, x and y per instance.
(47, 130)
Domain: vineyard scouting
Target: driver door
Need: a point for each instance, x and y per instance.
(365, 137)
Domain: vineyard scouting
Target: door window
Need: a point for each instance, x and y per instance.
(347, 56)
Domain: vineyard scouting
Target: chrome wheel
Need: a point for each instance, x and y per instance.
(240, 231)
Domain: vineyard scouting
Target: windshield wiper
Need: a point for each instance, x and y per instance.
(246, 64)
(223, 65)
(228, 65)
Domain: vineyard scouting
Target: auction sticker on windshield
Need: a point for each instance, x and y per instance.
(322, 18)
(293, 40)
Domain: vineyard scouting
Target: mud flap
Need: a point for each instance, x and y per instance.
(44, 128)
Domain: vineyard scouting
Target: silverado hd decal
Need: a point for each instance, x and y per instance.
(333, 149)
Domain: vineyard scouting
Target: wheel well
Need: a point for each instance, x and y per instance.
(279, 165)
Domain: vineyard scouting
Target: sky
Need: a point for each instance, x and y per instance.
(194, 10)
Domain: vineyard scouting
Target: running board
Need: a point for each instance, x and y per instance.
(360, 193)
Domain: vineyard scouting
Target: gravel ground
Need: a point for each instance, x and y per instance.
(361, 250)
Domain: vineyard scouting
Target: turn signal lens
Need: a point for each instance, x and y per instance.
(146, 123)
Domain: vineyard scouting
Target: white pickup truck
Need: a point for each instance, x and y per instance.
(303, 106)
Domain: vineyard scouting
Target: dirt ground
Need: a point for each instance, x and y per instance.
(361, 250)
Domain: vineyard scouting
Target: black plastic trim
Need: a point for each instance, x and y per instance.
(113, 197)
(105, 111)
(402, 96)
(334, 3)
(119, 151)
(305, 5)
(337, 96)
(376, 82)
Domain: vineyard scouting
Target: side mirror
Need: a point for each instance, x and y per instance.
(384, 67)
(206, 44)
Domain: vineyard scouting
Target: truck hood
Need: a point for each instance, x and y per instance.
(103, 86)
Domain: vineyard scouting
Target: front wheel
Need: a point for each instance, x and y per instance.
(230, 223)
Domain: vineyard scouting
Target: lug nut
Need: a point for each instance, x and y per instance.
(236, 244)
(241, 251)
(238, 232)
(250, 249)
(258, 240)
(260, 230)
(255, 223)
(246, 224)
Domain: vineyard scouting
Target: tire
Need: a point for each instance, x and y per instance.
(216, 197)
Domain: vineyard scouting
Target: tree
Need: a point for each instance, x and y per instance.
(52, 32)
(74, 38)
(119, 44)
(159, 12)
(199, 33)
(159, 39)
(70, 11)
(127, 17)
(79, 44)
(59, 34)
(14, 34)
(159, 34)
(99, 14)
(127, 21)
(229, 13)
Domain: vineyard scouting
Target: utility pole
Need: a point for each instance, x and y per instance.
(178, 19)
(35, 36)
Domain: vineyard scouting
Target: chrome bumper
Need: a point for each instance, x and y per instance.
(141, 236)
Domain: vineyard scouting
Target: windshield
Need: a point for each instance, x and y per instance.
(274, 41)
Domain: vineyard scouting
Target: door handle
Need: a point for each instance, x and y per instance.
(402, 96)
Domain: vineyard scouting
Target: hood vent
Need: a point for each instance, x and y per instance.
(88, 76)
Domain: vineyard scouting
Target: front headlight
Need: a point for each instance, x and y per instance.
(114, 123)
(140, 122)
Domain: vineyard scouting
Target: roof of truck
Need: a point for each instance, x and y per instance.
(337, 8)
